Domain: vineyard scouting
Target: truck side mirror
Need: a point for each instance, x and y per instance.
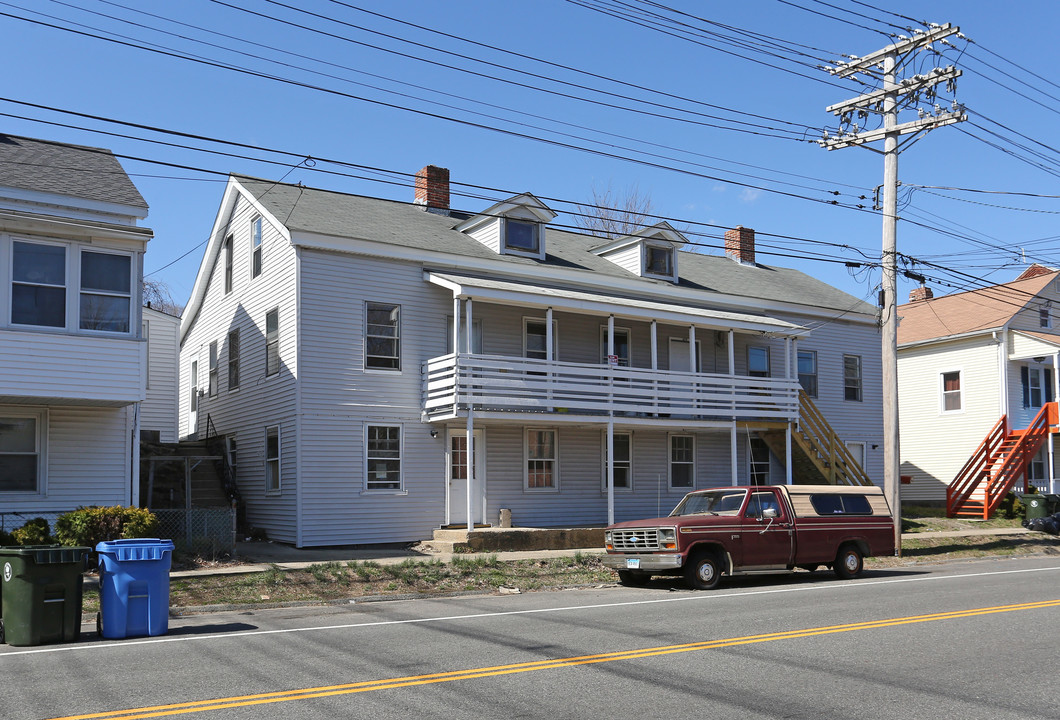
(769, 513)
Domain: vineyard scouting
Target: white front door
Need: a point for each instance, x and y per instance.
(456, 462)
(679, 359)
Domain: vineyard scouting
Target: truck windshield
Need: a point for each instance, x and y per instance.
(714, 502)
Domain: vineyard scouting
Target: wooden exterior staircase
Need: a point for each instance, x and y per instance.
(818, 455)
(995, 467)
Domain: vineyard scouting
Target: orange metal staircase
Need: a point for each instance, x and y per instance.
(997, 464)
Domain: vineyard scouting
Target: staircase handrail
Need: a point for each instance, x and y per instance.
(841, 461)
(228, 476)
(1015, 464)
(969, 476)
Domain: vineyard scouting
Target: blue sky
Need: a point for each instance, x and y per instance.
(399, 106)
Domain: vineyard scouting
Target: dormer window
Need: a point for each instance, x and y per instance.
(659, 260)
(521, 236)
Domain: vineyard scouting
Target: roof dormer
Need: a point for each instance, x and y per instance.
(512, 227)
(649, 253)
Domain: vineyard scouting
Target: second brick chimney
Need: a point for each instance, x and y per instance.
(740, 245)
(432, 189)
(921, 293)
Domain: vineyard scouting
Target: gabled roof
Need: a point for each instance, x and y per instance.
(309, 217)
(77, 171)
(525, 200)
(663, 230)
(969, 312)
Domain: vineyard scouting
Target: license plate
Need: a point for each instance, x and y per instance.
(633, 563)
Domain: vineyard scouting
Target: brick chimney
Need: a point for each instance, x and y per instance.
(740, 245)
(921, 293)
(432, 189)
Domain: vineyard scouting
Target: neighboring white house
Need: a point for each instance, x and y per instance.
(158, 412)
(71, 356)
(319, 341)
(967, 362)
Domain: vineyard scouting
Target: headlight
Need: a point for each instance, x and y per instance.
(607, 540)
(668, 538)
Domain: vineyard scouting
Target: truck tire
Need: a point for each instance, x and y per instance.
(848, 562)
(633, 579)
(703, 571)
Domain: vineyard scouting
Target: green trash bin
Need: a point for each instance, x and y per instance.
(1034, 506)
(40, 600)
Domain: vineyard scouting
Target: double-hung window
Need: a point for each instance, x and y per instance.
(535, 339)
(659, 260)
(1044, 317)
(106, 291)
(382, 336)
(272, 341)
(623, 461)
(213, 369)
(852, 377)
(273, 482)
(757, 361)
(38, 287)
(808, 372)
(682, 462)
(228, 264)
(21, 435)
(255, 245)
(541, 460)
(383, 454)
(951, 391)
(233, 360)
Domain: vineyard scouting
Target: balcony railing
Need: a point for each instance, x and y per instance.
(496, 383)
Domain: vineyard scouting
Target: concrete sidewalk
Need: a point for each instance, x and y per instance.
(261, 556)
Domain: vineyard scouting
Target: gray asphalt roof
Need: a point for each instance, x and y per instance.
(341, 215)
(74, 170)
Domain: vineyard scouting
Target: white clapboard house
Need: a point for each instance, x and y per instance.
(354, 353)
(72, 359)
(977, 381)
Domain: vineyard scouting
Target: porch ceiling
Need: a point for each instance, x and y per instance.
(599, 303)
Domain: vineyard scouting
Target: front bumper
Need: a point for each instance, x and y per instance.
(642, 561)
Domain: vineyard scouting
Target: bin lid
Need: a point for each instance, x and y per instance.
(136, 548)
(46, 554)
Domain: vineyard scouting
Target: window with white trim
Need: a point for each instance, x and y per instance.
(1044, 317)
(852, 377)
(807, 362)
(623, 461)
(38, 284)
(382, 336)
(273, 483)
(541, 460)
(145, 333)
(535, 339)
(621, 348)
(193, 404)
(682, 462)
(228, 264)
(106, 291)
(213, 370)
(757, 361)
(272, 341)
(383, 457)
(233, 360)
(255, 245)
(758, 456)
(21, 455)
(951, 391)
(658, 260)
(522, 236)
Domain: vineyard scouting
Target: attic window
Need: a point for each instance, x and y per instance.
(659, 260)
(521, 236)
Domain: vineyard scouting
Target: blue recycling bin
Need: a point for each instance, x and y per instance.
(134, 587)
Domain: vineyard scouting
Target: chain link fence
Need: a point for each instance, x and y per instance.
(207, 532)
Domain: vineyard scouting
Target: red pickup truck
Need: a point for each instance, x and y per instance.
(741, 530)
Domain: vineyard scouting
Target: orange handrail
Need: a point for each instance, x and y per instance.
(969, 477)
(1015, 464)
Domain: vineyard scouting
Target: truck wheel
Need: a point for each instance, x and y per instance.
(703, 571)
(633, 579)
(848, 563)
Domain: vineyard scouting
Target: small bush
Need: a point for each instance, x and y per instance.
(87, 526)
(34, 532)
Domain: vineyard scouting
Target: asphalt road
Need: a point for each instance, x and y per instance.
(963, 640)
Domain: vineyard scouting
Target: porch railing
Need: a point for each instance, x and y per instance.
(509, 384)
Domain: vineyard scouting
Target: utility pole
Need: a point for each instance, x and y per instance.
(888, 102)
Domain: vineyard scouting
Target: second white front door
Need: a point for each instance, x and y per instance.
(457, 464)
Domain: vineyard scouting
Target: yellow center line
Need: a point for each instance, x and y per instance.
(498, 670)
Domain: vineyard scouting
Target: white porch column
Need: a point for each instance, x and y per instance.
(732, 431)
(549, 352)
(654, 361)
(691, 348)
(470, 429)
(788, 367)
(610, 470)
(456, 324)
(610, 367)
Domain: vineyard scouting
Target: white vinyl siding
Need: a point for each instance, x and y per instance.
(159, 410)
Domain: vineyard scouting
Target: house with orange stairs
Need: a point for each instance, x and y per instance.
(977, 385)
